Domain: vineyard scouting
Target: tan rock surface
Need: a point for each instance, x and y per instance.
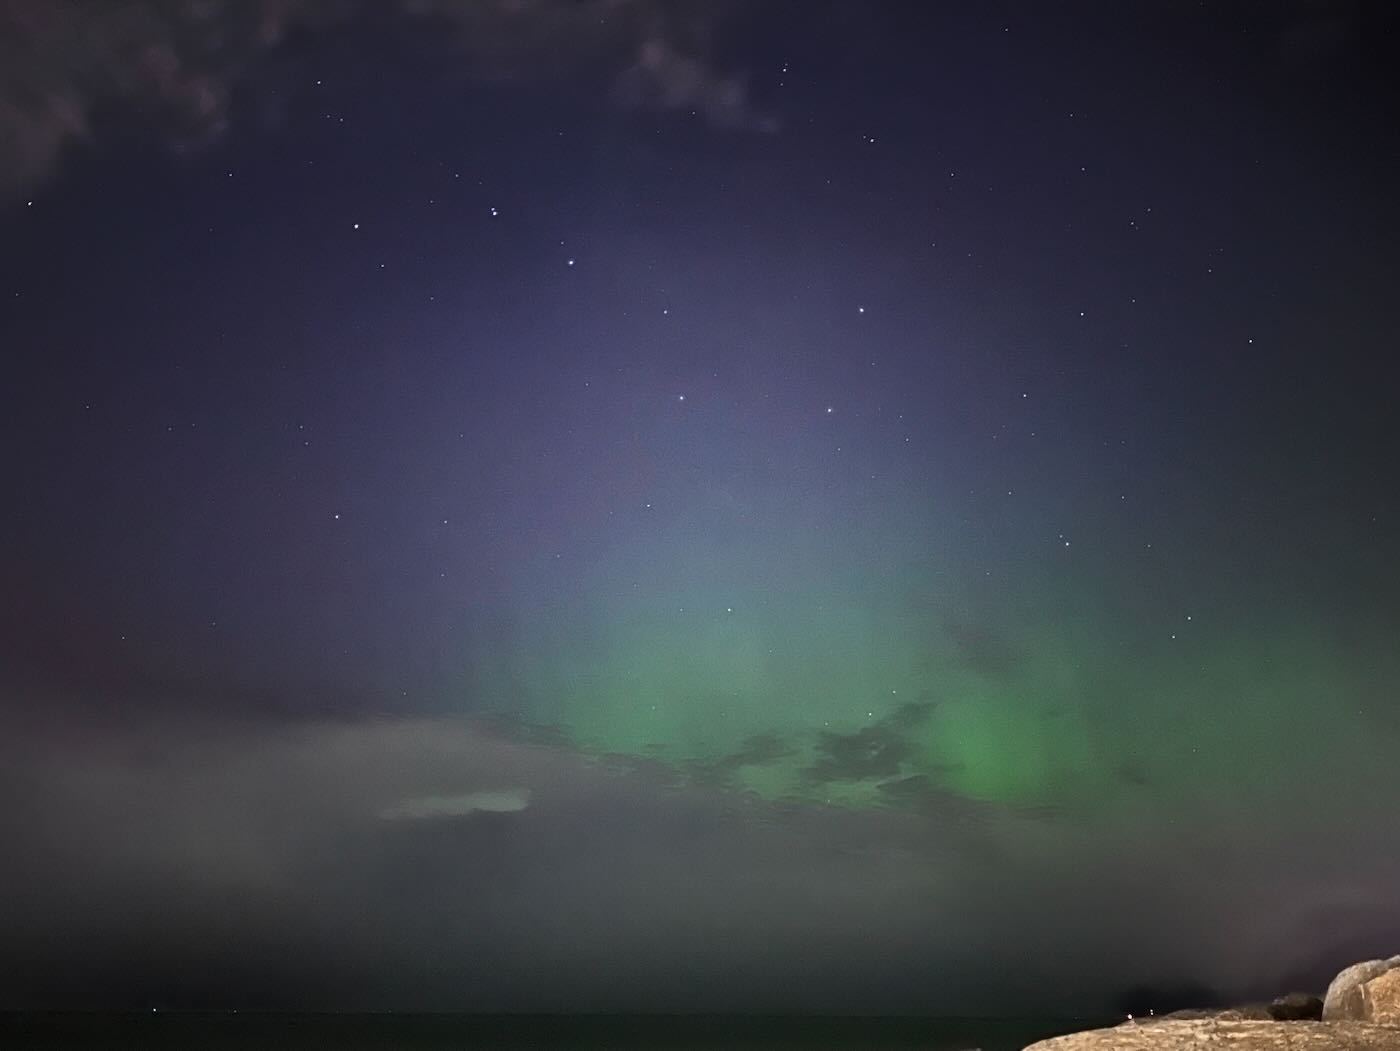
(1343, 999)
(1187, 1035)
(1380, 999)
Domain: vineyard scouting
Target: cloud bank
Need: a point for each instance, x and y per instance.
(69, 69)
(189, 862)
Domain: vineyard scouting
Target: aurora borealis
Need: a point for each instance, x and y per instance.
(649, 505)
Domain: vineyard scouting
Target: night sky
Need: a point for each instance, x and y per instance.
(666, 505)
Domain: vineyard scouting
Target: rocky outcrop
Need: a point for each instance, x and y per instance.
(1248, 1012)
(1361, 1012)
(1345, 998)
(1296, 1007)
(1192, 1034)
(1380, 999)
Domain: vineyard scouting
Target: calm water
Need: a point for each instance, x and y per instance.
(396, 1032)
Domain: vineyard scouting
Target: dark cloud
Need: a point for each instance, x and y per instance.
(917, 791)
(659, 772)
(910, 715)
(971, 821)
(875, 751)
(757, 750)
(67, 68)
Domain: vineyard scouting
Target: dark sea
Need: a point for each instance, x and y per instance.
(446, 1032)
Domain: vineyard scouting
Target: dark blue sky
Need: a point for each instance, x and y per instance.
(655, 505)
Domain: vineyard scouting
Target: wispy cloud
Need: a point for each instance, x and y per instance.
(175, 65)
(664, 78)
(492, 801)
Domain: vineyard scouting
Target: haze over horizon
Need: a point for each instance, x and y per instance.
(627, 505)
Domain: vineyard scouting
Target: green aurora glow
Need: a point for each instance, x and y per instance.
(853, 670)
